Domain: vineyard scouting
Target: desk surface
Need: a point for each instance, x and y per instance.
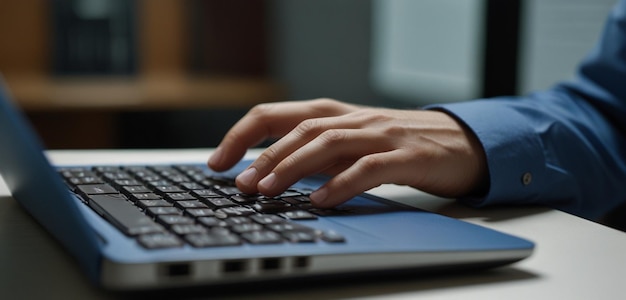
(574, 258)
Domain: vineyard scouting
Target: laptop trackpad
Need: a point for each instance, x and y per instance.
(402, 226)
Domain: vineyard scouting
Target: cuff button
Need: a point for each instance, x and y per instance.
(527, 178)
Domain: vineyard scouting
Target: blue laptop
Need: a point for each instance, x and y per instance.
(136, 227)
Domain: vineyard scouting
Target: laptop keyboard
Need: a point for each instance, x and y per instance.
(171, 206)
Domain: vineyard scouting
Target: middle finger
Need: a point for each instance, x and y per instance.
(332, 148)
(302, 134)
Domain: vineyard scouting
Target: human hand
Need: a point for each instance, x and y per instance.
(359, 147)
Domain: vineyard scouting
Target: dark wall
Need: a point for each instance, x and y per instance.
(321, 48)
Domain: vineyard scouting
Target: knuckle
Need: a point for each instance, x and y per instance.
(325, 102)
(332, 137)
(343, 183)
(267, 157)
(394, 130)
(290, 162)
(330, 107)
(261, 110)
(308, 127)
(371, 163)
(379, 116)
(373, 116)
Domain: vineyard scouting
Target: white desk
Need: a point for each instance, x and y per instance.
(574, 258)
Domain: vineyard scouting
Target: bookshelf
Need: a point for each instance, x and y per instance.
(81, 110)
(44, 93)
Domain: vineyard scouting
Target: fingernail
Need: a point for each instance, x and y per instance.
(319, 196)
(247, 177)
(216, 157)
(268, 182)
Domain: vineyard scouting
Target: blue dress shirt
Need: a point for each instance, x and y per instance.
(564, 147)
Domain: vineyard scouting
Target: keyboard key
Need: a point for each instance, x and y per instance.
(177, 178)
(218, 181)
(235, 211)
(184, 229)
(159, 241)
(85, 180)
(297, 200)
(165, 170)
(303, 191)
(123, 215)
(212, 240)
(136, 189)
(306, 206)
(271, 206)
(179, 196)
(206, 193)
(200, 212)
(212, 222)
(116, 175)
(169, 189)
(218, 202)
(145, 196)
(262, 237)
(153, 203)
(97, 189)
(237, 221)
(191, 186)
(170, 220)
(299, 237)
(246, 227)
(289, 227)
(76, 172)
(332, 237)
(298, 215)
(126, 182)
(104, 169)
(220, 230)
(190, 204)
(290, 193)
(136, 169)
(155, 211)
(267, 219)
(150, 178)
(247, 199)
(229, 190)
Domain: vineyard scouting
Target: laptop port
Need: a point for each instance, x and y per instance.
(270, 264)
(300, 262)
(178, 270)
(233, 266)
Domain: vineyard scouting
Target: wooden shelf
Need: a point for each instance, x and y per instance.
(81, 113)
(40, 93)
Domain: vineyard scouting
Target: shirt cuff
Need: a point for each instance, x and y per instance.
(513, 150)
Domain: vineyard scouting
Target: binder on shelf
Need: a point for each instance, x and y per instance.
(94, 37)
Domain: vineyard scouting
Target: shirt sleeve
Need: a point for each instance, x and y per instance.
(564, 147)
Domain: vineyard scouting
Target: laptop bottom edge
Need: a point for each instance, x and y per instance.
(222, 272)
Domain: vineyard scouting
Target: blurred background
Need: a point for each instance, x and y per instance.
(179, 73)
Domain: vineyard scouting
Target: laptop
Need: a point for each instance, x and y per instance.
(139, 227)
